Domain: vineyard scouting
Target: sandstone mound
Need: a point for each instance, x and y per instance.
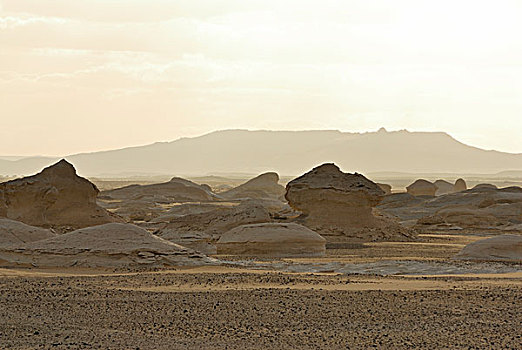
(443, 187)
(15, 233)
(422, 187)
(264, 186)
(273, 239)
(460, 185)
(109, 245)
(500, 248)
(176, 190)
(334, 203)
(201, 231)
(56, 197)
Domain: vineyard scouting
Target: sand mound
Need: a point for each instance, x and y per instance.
(15, 233)
(201, 231)
(56, 197)
(500, 248)
(264, 186)
(422, 187)
(109, 245)
(176, 190)
(334, 203)
(273, 239)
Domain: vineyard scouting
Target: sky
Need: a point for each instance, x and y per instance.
(88, 75)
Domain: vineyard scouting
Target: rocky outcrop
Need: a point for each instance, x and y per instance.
(500, 248)
(15, 234)
(481, 207)
(485, 187)
(110, 245)
(56, 197)
(265, 186)
(386, 188)
(201, 231)
(327, 196)
(334, 203)
(460, 185)
(422, 187)
(443, 187)
(272, 239)
(176, 190)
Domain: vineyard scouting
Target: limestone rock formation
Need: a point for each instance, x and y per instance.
(176, 190)
(261, 187)
(443, 187)
(15, 234)
(326, 195)
(481, 207)
(272, 239)
(334, 203)
(56, 197)
(386, 188)
(201, 231)
(460, 185)
(485, 187)
(499, 248)
(109, 245)
(422, 187)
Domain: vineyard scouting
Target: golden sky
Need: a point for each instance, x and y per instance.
(86, 75)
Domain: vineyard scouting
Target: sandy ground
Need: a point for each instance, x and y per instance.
(219, 308)
(240, 308)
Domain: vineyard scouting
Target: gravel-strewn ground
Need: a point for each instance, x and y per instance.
(114, 312)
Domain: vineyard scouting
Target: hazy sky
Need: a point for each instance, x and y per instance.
(85, 75)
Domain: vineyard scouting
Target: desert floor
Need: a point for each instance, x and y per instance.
(229, 307)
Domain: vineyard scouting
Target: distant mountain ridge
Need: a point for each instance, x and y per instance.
(286, 152)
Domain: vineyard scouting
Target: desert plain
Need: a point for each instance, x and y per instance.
(327, 260)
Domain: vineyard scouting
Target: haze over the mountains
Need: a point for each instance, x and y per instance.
(287, 152)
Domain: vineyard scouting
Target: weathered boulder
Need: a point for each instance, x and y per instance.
(15, 234)
(460, 185)
(499, 248)
(272, 239)
(109, 245)
(422, 187)
(261, 187)
(55, 197)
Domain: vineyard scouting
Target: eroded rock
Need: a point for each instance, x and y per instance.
(334, 203)
(264, 186)
(422, 187)
(272, 239)
(55, 197)
(500, 248)
(15, 234)
(109, 245)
